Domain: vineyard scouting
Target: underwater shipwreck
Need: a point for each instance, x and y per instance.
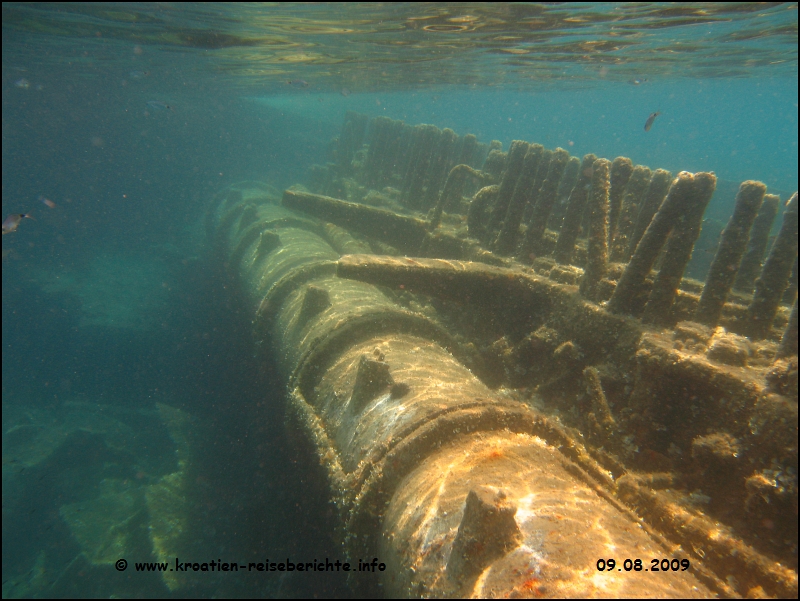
(510, 385)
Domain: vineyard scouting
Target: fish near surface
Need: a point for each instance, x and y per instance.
(11, 223)
(649, 123)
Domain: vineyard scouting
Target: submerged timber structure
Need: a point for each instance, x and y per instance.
(511, 387)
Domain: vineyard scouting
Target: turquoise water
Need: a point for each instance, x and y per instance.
(129, 117)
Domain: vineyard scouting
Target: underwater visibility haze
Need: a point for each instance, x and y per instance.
(460, 295)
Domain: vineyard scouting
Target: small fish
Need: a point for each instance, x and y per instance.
(23, 84)
(649, 123)
(637, 81)
(11, 222)
(158, 105)
(297, 83)
(345, 92)
(138, 74)
(46, 201)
